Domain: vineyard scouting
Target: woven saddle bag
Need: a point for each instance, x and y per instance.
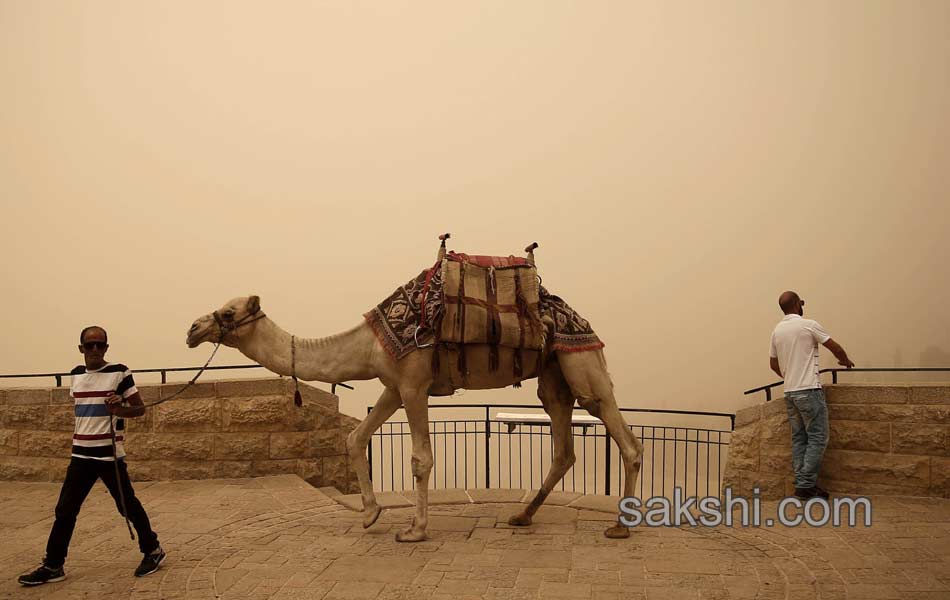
(490, 300)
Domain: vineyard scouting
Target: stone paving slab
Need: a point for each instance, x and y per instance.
(556, 497)
(597, 503)
(441, 497)
(385, 500)
(277, 537)
(493, 495)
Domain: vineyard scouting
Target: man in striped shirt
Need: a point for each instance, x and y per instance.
(104, 395)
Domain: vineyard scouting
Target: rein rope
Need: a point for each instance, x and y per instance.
(118, 480)
(225, 328)
(190, 383)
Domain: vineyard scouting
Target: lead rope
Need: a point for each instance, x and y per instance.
(115, 458)
(118, 480)
(190, 383)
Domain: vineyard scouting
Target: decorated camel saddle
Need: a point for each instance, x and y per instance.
(485, 308)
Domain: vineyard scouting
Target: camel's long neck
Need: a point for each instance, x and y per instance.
(342, 357)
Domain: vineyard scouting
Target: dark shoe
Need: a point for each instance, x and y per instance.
(809, 493)
(805, 493)
(42, 575)
(150, 563)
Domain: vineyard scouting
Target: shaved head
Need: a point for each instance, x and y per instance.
(82, 334)
(789, 302)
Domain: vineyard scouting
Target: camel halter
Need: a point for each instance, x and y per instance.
(224, 329)
(227, 328)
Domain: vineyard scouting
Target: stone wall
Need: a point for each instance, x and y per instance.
(885, 439)
(222, 429)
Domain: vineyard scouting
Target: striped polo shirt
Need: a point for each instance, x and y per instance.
(91, 438)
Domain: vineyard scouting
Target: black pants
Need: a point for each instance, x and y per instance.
(80, 477)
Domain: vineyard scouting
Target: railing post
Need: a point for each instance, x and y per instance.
(487, 450)
(834, 376)
(59, 381)
(163, 375)
(768, 394)
(606, 462)
(369, 446)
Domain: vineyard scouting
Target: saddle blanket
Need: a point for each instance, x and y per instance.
(408, 315)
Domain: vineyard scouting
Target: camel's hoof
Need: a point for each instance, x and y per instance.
(617, 532)
(411, 535)
(520, 520)
(371, 515)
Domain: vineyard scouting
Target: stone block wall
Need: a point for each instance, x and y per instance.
(222, 429)
(885, 439)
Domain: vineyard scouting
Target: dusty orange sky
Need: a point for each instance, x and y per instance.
(681, 164)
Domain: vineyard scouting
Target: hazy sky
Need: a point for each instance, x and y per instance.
(680, 164)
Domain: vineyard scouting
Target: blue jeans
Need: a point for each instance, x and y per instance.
(808, 417)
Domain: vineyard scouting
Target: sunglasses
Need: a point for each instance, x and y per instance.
(94, 345)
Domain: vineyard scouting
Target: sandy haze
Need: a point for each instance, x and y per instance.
(681, 164)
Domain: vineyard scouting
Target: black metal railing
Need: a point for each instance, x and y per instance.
(163, 371)
(834, 375)
(485, 452)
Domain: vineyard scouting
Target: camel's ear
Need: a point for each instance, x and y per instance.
(253, 304)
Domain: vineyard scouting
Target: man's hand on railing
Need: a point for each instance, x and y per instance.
(839, 353)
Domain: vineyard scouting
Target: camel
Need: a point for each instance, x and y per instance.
(356, 354)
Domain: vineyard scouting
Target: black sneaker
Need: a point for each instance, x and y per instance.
(809, 493)
(42, 575)
(805, 493)
(150, 563)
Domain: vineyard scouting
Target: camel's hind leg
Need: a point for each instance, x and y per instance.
(356, 443)
(558, 402)
(586, 373)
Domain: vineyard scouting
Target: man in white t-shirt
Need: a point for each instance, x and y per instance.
(794, 357)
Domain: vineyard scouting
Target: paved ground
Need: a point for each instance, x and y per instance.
(276, 537)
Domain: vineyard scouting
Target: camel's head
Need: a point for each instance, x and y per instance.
(227, 324)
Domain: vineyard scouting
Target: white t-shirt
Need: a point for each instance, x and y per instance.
(795, 343)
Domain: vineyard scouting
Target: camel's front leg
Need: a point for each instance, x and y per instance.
(356, 443)
(558, 402)
(631, 450)
(417, 412)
